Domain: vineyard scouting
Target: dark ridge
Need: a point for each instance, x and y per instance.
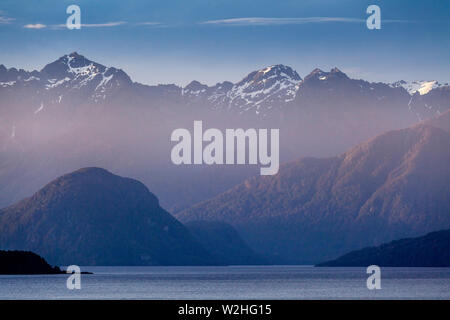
(431, 250)
(25, 262)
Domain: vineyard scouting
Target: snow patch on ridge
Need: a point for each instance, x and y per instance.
(422, 87)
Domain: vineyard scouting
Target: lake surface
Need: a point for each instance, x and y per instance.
(237, 282)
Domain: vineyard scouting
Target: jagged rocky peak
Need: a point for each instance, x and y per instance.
(76, 60)
(74, 71)
(316, 71)
(194, 86)
(315, 74)
(13, 74)
(281, 70)
(277, 72)
(72, 65)
(318, 74)
(223, 86)
(335, 71)
(266, 88)
(75, 65)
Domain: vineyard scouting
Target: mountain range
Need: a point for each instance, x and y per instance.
(74, 80)
(392, 186)
(364, 163)
(77, 113)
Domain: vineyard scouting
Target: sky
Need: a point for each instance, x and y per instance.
(176, 41)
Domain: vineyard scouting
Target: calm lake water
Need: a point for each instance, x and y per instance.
(239, 282)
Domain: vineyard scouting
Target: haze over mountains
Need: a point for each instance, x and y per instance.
(224, 243)
(366, 171)
(93, 217)
(76, 113)
(392, 186)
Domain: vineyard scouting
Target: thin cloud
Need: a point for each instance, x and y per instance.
(35, 26)
(4, 19)
(113, 24)
(260, 21)
(104, 25)
(93, 25)
(148, 23)
(97, 25)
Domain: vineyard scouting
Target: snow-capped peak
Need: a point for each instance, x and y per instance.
(268, 87)
(75, 71)
(422, 86)
(278, 70)
(261, 90)
(72, 66)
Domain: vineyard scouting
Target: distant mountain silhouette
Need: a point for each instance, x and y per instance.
(394, 185)
(76, 112)
(25, 262)
(65, 116)
(75, 80)
(224, 243)
(431, 250)
(93, 217)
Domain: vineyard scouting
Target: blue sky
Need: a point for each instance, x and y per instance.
(175, 41)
